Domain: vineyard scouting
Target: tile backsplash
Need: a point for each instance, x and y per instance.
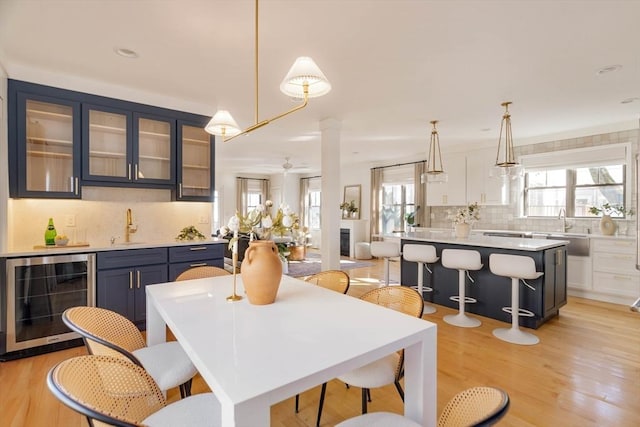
(508, 218)
(101, 214)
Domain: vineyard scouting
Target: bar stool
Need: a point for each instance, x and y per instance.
(462, 260)
(517, 267)
(423, 255)
(385, 250)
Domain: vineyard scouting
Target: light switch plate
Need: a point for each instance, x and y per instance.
(69, 220)
(203, 220)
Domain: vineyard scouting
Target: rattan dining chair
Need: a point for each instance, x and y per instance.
(389, 369)
(335, 280)
(106, 332)
(112, 391)
(473, 407)
(202, 272)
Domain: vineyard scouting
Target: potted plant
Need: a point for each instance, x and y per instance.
(410, 219)
(607, 226)
(464, 219)
(349, 209)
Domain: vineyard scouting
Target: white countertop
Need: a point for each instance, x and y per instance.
(475, 239)
(61, 250)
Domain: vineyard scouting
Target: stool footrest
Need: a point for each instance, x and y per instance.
(521, 312)
(424, 288)
(467, 300)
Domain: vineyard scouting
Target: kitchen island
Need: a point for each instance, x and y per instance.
(493, 292)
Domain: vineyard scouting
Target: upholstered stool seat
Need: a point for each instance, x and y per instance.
(517, 267)
(363, 250)
(423, 255)
(462, 260)
(385, 250)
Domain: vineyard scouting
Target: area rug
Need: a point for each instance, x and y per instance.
(312, 264)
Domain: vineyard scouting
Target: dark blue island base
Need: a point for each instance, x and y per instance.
(494, 292)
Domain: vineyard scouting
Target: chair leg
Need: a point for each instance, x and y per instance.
(364, 400)
(322, 392)
(369, 395)
(400, 391)
(297, 401)
(185, 389)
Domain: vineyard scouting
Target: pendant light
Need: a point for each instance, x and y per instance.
(435, 171)
(303, 81)
(506, 165)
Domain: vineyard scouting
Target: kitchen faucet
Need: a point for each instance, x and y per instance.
(129, 227)
(562, 215)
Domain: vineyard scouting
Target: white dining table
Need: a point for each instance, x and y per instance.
(255, 356)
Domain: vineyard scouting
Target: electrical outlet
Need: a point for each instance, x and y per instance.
(203, 220)
(70, 220)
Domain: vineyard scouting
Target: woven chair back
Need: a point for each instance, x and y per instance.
(202, 272)
(476, 406)
(106, 389)
(98, 325)
(336, 280)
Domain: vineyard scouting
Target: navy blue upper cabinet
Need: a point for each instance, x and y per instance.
(44, 143)
(122, 146)
(61, 140)
(195, 158)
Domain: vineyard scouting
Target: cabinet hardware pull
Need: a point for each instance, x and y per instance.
(627, 257)
(129, 172)
(198, 248)
(199, 264)
(138, 277)
(180, 191)
(621, 277)
(135, 176)
(75, 187)
(131, 280)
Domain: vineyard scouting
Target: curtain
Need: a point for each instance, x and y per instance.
(266, 189)
(304, 197)
(423, 214)
(242, 189)
(376, 191)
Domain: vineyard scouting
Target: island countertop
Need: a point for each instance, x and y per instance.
(447, 236)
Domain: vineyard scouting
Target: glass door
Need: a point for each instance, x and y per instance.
(50, 131)
(195, 181)
(155, 138)
(107, 133)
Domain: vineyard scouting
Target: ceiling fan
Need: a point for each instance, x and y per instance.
(286, 166)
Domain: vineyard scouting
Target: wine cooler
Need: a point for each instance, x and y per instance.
(38, 291)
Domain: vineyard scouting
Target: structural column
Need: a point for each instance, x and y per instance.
(331, 193)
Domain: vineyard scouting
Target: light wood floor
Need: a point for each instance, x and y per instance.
(585, 372)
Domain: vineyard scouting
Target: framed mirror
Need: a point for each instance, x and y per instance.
(351, 202)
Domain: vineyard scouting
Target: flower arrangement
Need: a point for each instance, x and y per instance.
(467, 215)
(349, 206)
(261, 222)
(608, 209)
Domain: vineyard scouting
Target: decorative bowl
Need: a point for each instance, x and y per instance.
(61, 242)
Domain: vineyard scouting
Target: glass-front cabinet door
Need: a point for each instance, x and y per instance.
(195, 161)
(155, 138)
(48, 146)
(107, 134)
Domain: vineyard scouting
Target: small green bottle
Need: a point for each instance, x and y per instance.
(50, 234)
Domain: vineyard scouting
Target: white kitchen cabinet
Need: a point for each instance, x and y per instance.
(579, 272)
(453, 192)
(481, 188)
(614, 272)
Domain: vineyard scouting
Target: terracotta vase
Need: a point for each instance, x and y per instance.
(463, 231)
(607, 226)
(261, 271)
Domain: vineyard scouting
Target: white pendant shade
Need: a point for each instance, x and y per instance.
(304, 69)
(222, 124)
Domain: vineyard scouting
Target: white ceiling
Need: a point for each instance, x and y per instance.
(394, 65)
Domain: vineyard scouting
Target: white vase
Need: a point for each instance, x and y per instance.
(607, 226)
(462, 230)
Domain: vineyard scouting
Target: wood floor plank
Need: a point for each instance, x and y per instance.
(584, 372)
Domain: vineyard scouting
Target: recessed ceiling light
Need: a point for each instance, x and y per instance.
(608, 69)
(630, 100)
(127, 53)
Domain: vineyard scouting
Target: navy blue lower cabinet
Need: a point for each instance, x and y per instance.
(494, 292)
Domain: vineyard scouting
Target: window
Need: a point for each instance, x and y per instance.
(397, 198)
(313, 213)
(310, 199)
(589, 177)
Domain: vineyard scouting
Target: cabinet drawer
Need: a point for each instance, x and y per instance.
(617, 246)
(614, 262)
(177, 268)
(617, 283)
(196, 252)
(131, 258)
